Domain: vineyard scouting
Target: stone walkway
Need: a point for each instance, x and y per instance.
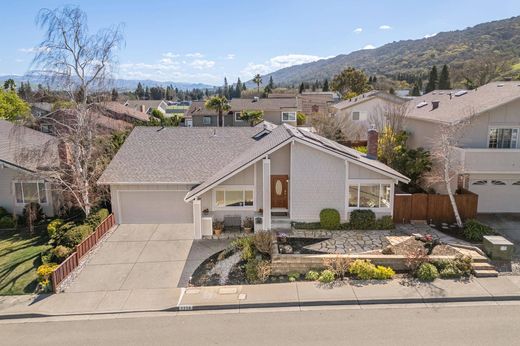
(347, 242)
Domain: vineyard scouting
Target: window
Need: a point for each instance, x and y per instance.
(33, 191)
(505, 138)
(288, 116)
(355, 116)
(206, 120)
(238, 116)
(358, 115)
(234, 198)
(369, 196)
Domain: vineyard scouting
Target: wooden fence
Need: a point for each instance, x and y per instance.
(66, 267)
(422, 206)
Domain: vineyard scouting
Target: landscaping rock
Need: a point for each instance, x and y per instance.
(388, 250)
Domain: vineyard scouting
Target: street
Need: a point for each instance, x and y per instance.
(443, 325)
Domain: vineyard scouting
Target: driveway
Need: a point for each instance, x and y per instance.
(507, 224)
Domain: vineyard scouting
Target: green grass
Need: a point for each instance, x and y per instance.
(19, 259)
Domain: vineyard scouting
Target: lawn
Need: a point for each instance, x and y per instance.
(19, 259)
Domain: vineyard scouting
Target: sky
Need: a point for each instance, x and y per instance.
(203, 41)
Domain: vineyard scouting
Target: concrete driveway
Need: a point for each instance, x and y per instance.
(506, 224)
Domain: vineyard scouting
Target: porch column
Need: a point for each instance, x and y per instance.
(266, 190)
(197, 219)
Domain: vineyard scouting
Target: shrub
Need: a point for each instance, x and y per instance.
(301, 118)
(263, 242)
(246, 246)
(252, 271)
(362, 219)
(338, 265)
(456, 268)
(293, 276)
(361, 149)
(427, 272)
(53, 226)
(32, 214)
(263, 270)
(307, 225)
(475, 231)
(76, 235)
(95, 218)
(58, 236)
(329, 219)
(3, 212)
(312, 275)
(7, 222)
(385, 222)
(60, 253)
(326, 276)
(44, 273)
(415, 259)
(365, 270)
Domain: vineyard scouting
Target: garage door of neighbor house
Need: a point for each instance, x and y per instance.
(497, 195)
(150, 207)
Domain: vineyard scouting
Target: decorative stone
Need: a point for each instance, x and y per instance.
(388, 250)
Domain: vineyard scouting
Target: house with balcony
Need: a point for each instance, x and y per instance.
(488, 150)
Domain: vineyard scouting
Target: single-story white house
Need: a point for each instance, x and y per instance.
(198, 175)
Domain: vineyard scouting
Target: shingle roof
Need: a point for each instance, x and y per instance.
(147, 103)
(470, 102)
(368, 96)
(118, 108)
(277, 104)
(27, 148)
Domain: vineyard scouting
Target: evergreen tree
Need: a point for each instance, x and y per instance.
(271, 83)
(326, 85)
(370, 81)
(374, 79)
(115, 94)
(302, 88)
(139, 91)
(226, 89)
(444, 79)
(147, 93)
(433, 80)
(238, 90)
(416, 91)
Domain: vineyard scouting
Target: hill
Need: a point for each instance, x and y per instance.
(500, 37)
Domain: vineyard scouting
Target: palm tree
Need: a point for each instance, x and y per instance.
(257, 80)
(219, 104)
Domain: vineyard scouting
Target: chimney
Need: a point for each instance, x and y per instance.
(372, 139)
(142, 108)
(256, 98)
(435, 104)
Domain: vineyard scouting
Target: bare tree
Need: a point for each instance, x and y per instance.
(74, 61)
(447, 164)
(336, 128)
(483, 69)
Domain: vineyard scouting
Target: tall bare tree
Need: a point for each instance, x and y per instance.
(80, 64)
(337, 128)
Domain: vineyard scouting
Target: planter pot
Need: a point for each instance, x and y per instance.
(248, 229)
(217, 232)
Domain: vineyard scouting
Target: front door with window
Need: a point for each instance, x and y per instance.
(279, 195)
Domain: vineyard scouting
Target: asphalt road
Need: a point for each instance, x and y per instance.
(469, 325)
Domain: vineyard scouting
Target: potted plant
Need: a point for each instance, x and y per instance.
(218, 227)
(205, 212)
(248, 225)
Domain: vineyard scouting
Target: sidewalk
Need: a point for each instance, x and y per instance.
(297, 294)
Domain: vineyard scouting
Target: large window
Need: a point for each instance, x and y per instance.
(234, 198)
(369, 196)
(506, 138)
(33, 191)
(288, 116)
(206, 121)
(238, 116)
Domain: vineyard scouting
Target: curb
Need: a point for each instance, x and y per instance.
(351, 302)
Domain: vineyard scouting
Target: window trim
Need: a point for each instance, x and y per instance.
(37, 188)
(239, 118)
(499, 127)
(367, 183)
(289, 113)
(225, 188)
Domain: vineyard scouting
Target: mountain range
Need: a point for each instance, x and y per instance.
(500, 37)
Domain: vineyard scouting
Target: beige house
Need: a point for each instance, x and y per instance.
(274, 175)
(24, 152)
(488, 150)
(366, 109)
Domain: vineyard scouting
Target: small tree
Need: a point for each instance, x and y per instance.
(325, 85)
(444, 79)
(433, 80)
(12, 107)
(338, 128)
(257, 80)
(301, 119)
(350, 82)
(253, 116)
(220, 105)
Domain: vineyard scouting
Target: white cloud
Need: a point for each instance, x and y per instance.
(201, 64)
(430, 35)
(195, 55)
(170, 55)
(385, 27)
(358, 30)
(34, 50)
(369, 46)
(230, 56)
(278, 62)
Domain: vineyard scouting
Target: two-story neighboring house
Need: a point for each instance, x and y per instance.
(277, 111)
(365, 109)
(488, 148)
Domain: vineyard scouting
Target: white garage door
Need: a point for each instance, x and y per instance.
(497, 195)
(150, 207)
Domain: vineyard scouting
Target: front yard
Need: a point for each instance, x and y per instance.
(19, 259)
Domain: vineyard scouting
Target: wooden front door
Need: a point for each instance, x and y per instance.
(279, 195)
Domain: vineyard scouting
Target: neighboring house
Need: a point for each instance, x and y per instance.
(489, 148)
(367, 108)
(23, 153)
(316, 104)
(277, 111)
(109, 116)
(39, 109)
(275, 175)
(146, 106)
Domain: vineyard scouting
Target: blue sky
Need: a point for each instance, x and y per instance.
(203, 40)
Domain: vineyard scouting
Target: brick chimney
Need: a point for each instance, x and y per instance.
(142, 108)
(372, 139)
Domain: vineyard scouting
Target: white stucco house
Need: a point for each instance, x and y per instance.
(276, 174)
(488, 150)
(24, 154)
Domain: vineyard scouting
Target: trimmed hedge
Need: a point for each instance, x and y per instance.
(95, 218)
(361, 219)
(7, 222)
(330, 219)
(76, 235)
(427, 272)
